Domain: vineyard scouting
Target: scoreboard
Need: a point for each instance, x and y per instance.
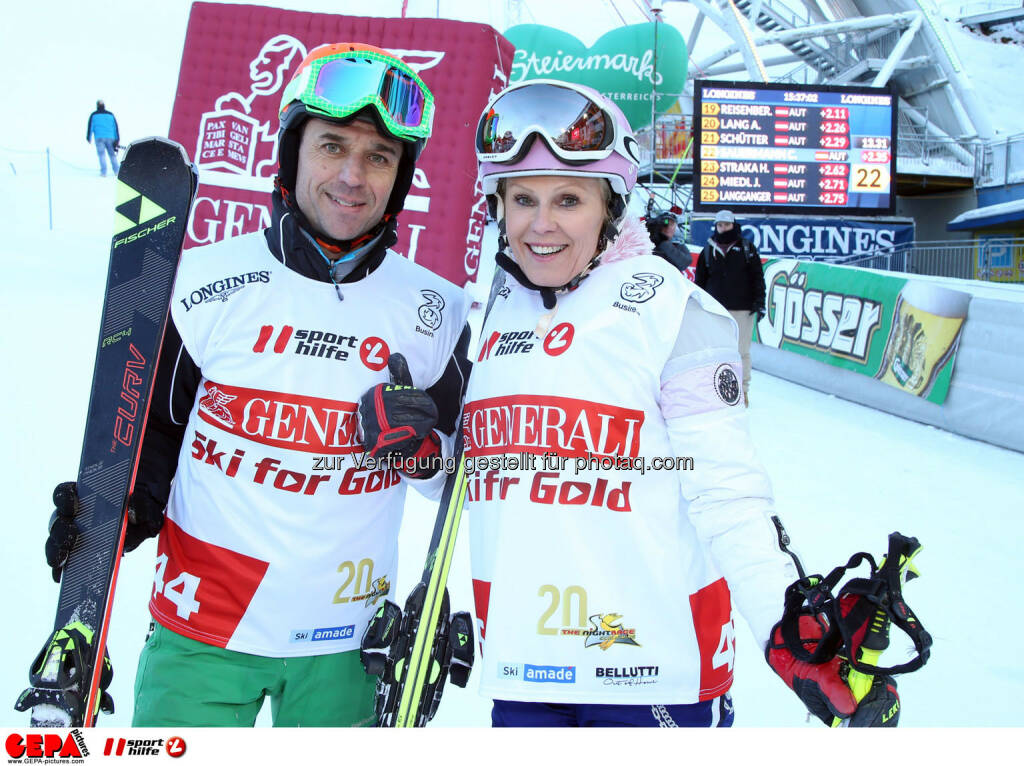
(783, 148)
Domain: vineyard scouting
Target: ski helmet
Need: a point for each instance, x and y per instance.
(345, 81)
(581, 133)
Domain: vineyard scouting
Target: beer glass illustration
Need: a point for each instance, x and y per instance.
(926, 325)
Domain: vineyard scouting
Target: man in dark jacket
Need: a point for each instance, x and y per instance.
(103, 128)
(661, 227)
(729, 268)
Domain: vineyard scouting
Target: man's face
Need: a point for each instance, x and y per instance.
(345, 176)
(723, 226)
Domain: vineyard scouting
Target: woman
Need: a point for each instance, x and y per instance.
(604, 562)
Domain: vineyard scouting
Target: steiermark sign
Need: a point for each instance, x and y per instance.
(621, 64)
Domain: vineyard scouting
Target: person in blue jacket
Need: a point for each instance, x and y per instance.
(103, 127)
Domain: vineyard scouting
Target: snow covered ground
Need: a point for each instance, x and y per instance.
(845, 476)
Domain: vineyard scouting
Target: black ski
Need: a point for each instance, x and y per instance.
(155, 187)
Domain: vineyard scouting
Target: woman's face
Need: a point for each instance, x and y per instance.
(553, 224)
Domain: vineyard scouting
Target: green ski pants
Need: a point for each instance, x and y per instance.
(182, 682)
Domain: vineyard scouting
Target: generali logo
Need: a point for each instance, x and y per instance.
(288, 421)
(550, 424)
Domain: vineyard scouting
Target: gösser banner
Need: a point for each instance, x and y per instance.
(236, 62)
(903, 332)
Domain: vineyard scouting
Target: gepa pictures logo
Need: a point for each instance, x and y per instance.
(828, 321)
(55, 748)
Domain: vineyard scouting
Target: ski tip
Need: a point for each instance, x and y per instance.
(160, 140)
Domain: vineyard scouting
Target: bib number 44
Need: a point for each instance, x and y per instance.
(180, 591)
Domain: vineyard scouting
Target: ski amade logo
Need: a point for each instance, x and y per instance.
(336, 633)
(46, 748)
(833, 322)
(537, 674)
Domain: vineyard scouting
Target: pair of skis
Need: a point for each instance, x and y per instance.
(155, 188)
(414, 650)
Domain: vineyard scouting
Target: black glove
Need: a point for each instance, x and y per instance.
(145, 518)
(759, 310)
(63, 532)
(117, 146)
(820, 687)
(396, 422)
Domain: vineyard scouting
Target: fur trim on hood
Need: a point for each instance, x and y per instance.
(633, 240)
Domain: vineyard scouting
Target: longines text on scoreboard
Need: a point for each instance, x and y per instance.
(783, 148)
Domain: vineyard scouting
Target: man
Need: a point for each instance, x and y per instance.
(103, 127)
(661, 227)
(278, 539)
(729, 268)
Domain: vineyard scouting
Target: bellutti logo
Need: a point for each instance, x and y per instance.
(55, 749)
(637, 675)
(118, 746)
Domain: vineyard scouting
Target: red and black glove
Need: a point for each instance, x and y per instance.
(396, 421)
(819, 686)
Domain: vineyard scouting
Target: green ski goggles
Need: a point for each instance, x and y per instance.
(339, 85)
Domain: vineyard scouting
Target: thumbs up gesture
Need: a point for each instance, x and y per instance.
(396, 422)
